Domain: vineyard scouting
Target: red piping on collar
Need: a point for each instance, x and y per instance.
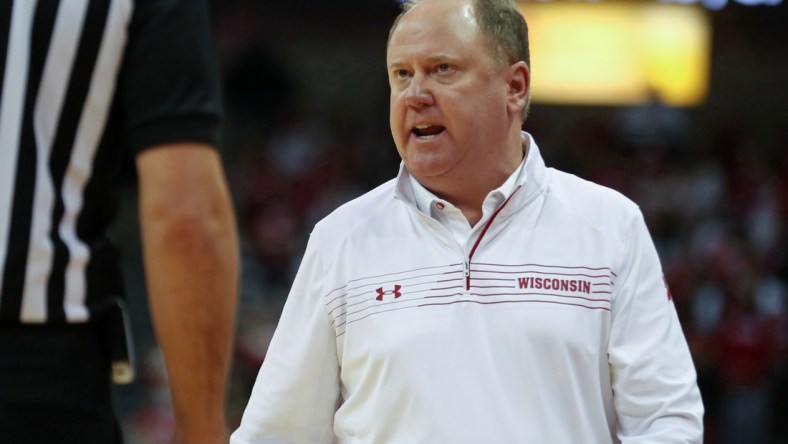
(481, 235)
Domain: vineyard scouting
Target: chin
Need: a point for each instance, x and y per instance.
(423, 171)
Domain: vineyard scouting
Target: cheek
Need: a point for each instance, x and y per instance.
(488, 112)
(396, 116)
(394, 127)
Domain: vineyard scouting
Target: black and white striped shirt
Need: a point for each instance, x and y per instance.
(84, 84)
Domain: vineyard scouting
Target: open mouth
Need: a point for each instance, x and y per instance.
(427, 131)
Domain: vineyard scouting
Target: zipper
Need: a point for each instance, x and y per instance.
(467, 262)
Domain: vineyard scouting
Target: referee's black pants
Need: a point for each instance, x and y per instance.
(55, 386)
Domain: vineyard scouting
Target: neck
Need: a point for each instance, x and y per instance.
(468, 195)
(469, 203)
(467, 188)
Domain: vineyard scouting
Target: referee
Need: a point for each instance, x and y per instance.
(85, 84)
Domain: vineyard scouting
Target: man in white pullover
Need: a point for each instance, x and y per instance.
(479, 297)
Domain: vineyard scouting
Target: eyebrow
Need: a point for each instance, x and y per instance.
(439, 58)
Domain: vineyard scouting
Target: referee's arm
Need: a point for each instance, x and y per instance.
(191, 260)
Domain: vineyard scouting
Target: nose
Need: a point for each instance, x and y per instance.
(418, 93)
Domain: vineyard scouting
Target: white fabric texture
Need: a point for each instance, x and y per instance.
(561, 331)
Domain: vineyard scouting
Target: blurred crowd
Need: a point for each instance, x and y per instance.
(714, 192)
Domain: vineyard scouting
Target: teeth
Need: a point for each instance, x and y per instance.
(422, 126)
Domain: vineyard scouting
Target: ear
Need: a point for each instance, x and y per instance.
(519, 83)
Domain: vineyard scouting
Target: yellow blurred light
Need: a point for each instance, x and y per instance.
(618, 53)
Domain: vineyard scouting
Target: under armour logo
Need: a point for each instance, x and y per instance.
(395, 292)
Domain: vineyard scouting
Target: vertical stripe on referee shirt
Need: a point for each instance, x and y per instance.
(46, 115)
(12, 99)
(24, 185)
(5, 31)
(79, 293)
(73, 107)
(8, 128)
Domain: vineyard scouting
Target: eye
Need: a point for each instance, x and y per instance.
(401, 74)
(444, 68)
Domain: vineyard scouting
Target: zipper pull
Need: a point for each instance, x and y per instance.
(467, 269)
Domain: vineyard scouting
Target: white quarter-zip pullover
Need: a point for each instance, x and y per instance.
(550, 324)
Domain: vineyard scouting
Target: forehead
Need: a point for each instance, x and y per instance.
(435, 26)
